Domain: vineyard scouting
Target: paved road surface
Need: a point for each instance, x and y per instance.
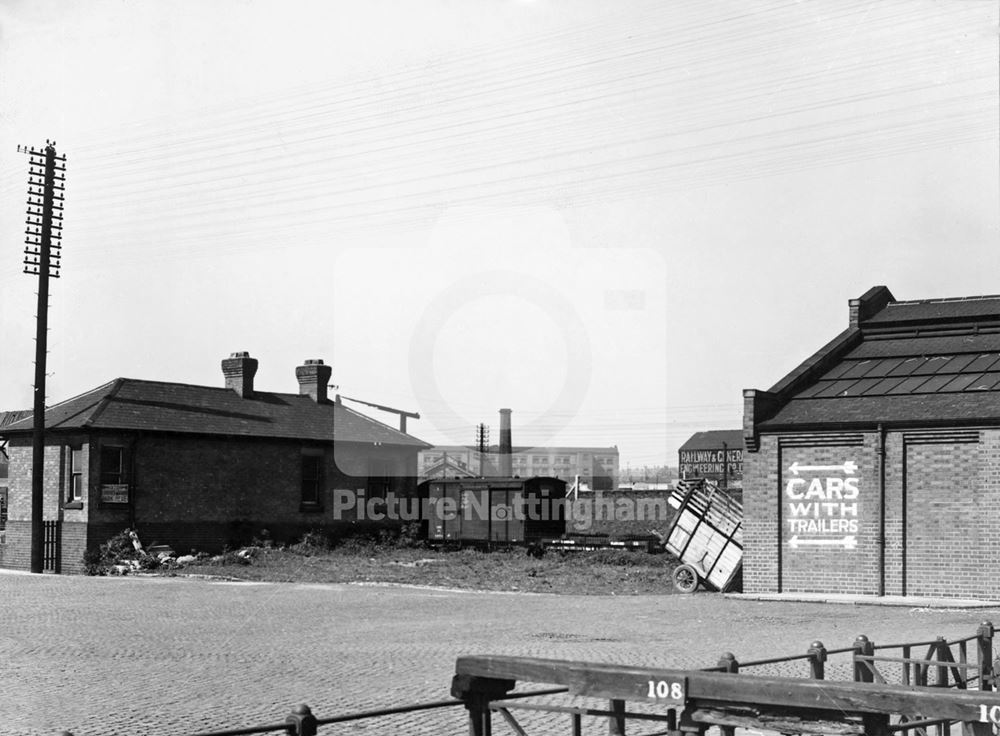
(158, 656)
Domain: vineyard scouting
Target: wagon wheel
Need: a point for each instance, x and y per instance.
(685, 578)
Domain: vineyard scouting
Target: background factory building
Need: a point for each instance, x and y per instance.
(716, 455)
(596, 467)
(874, 467)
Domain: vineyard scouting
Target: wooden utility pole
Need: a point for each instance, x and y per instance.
(42, 254)
(483, 445)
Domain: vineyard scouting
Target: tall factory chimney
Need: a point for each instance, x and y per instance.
(505, 445)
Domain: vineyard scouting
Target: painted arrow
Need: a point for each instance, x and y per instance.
(849, 542)
(849, 467)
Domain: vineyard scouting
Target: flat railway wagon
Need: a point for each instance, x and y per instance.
(493, 511)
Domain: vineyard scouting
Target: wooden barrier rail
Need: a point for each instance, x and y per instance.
(699, 699)
(689, 701)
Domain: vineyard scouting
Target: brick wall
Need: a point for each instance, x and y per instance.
(19, 480)
(945, 523)
(894, 513)
(829, 519)
(760, 517)
(941, 515)
(987, 557)
(15, 552)
(189, 492)
(209, 493)
(74, 543)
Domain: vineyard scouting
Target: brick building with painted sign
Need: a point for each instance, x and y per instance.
(716, 455)
(874, 467)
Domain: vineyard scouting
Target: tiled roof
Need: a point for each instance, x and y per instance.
(937, 310)
(130, 404)
(895, 345)
(714, 439)
(924, 362)
(9, 417)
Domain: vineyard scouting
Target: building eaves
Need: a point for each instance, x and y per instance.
(955, 409)
(73, 412)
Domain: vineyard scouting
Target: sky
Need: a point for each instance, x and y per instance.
(609, 217)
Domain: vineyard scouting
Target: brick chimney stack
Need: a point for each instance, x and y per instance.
(239, 370)
(314, 377)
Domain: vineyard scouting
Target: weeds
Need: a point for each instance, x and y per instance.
(118, 555)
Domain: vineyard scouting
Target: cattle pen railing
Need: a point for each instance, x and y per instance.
(923, 687)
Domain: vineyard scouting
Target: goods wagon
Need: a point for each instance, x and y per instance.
(493, 511)
(706, 536)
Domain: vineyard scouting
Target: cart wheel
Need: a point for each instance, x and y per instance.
(685, 578)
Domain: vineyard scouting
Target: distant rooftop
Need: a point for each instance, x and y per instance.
(494, 449)
(714, 440)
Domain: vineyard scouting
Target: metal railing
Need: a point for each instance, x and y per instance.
(872, 701)
(303, 722)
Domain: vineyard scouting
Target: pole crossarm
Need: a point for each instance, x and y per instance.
(731, 699)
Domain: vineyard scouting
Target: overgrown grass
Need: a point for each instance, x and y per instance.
(398, 555)
(603, 572)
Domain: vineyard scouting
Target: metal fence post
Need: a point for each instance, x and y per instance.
(863, 669)
(302, 720)
(941, 654)
(477, 692)
(817, 660)
(984, 650)
(616, 721)
(729, 663)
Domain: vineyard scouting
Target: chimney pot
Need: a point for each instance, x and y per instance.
(239, 369)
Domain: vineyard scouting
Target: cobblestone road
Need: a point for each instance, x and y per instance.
(173, 656)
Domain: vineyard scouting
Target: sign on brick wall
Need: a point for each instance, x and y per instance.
(715, 464)
(822, 505)
(114, 493)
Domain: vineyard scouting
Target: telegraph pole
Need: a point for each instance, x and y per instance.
(42, 255)
(482, 443)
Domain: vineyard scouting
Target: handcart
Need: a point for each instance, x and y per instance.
(706, 536)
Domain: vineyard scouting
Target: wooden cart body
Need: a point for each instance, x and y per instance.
(707, 533)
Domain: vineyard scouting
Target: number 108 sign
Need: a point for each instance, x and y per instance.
(669, 690)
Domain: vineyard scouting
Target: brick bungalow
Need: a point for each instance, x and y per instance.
(199, 467)
(874, 467)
